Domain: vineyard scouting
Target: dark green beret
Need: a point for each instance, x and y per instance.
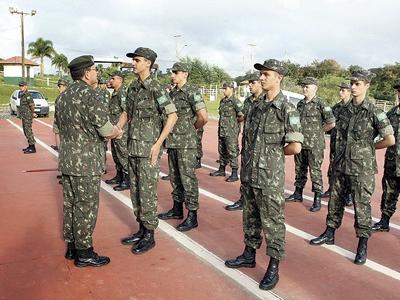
(308, 80)
(180, 66)
(253, 77)
(228, 84)
(62, 82)
(81, 62)
(117, 73)
(143, 52)
(22, 83)
(361, 74)
(272, 64)
(396, 84)
(345, 85)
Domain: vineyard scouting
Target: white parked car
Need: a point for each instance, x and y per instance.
(41, 104)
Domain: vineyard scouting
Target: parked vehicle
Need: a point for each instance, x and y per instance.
(41, 104)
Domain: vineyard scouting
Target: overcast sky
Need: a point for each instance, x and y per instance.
(361, 32)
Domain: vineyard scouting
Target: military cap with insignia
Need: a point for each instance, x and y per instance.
(22, 83)
(362, 74)
(396, 84)
(308, 80)
(345, 85)
(180, 66)
(228, 84)
(272, 64)
(253, 77)
(143, 52)
(81, 62)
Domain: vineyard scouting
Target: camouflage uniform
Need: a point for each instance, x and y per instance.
(313, 115)
(270, 125)
(182, 146)
(81, 118)
(228, 131)
(27, 116)
(355, 163)
(199, 153)
(146, 103)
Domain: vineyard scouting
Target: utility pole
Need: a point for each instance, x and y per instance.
(251, 56)
(22, 13)
(177, 36)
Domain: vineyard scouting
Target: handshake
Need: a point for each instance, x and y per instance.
(119, 132)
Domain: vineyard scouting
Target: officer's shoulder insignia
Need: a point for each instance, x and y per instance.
(197, 98)
(161, 100)
(294, 120)
(381, 116)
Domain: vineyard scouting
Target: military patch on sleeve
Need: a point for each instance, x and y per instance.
(381, 116)
(327, 108)
(239, 104)
(197, 98)
(294, 120)
(161, 100)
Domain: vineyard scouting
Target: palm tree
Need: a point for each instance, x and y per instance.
(60, 61)
(41, 48)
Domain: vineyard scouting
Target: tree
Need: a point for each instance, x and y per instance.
(60, 61)
(41, 48)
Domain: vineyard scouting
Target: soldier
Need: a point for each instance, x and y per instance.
(147, 106)
(182, 148)
(82, 119)
(273, 123)
(27, 113)
(119, 148)
(316, 119)
(391, 175)
(230, 116)
(61, 86)
(358, 124)
(345, 96)
(249, 103)
(199, 154)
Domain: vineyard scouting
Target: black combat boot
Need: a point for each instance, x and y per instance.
(134, 238)
(327, 194)
(124, 184)
(190, 222)
(23, 150)
(146, 243)
(116, 179)
(198, 165)
(297, 196)
(328, 237)
(361, 256)
(219, 172)
(234, 176)
(176, 212)
(238, 205)
(348, 200)
(246, 260)
(89, 258)
(317, 202)
(71, 251)
(382, 225)
(271, 276)
(166, 177)
(31, 149)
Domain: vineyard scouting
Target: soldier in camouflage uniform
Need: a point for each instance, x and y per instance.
(316, 118)
(230, 116)
(147, 106)
(26, 113)
(358, 124)
(345, 96)
(273, 131)
(248, 105)
(119, 148)
(391, 175)
(82, 119)
(182, 148)
(61, 86)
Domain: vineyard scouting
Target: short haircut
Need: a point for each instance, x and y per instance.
(78, 74)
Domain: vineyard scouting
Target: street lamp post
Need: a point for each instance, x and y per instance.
(251, 56)
(177, 36)
(22, 13)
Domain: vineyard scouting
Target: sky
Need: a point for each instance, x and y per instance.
(231, 34)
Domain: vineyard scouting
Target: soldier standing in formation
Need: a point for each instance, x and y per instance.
(230, 116)
(27, 113)
(182, 148)
(61, 86)
(119, 150)
(147, 106)
(391, 174)
(358, 124)
(249, 103)
(82, 119)
(273, 123)
(316, 118)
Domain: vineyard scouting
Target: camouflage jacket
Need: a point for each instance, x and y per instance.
(272, 124)
(79, 116)
(24, 106)
(336, 112)
(104, 95)
(313, 115)
(117, 104)
(248, 106)
(392, 155)
(188, 101)
(229, 110)
(356, 129)
(147, 103)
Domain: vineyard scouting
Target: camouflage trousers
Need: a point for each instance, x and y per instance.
(263, 209)
(309, 159)
(184, 182)
(391, 190)
(27, 127)
(228, 149)
(200, 132)
(81, 203)
(361, 188)
(119, 150)
(143, 179)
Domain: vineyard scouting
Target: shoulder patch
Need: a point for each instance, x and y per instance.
(327, 108)
(381, 116)
(239, 104)
(161, 100)
(294, 120)
(197, 98)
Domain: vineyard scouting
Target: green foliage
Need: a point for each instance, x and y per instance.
(382, 84)
(41, 48)
(60, 61)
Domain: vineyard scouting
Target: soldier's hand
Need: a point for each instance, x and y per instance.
(120, 134)
(154, 151)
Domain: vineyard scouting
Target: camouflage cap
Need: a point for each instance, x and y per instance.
(362, 74)
(308, 80)
(253, 77)
(180, 66)
(22, 83)
(81, 62)
(101, 80)
(272, 64)
(143, 52)
(345, 85)
(117, 73)
(62, 82)
(228, 84)
(396, 84)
